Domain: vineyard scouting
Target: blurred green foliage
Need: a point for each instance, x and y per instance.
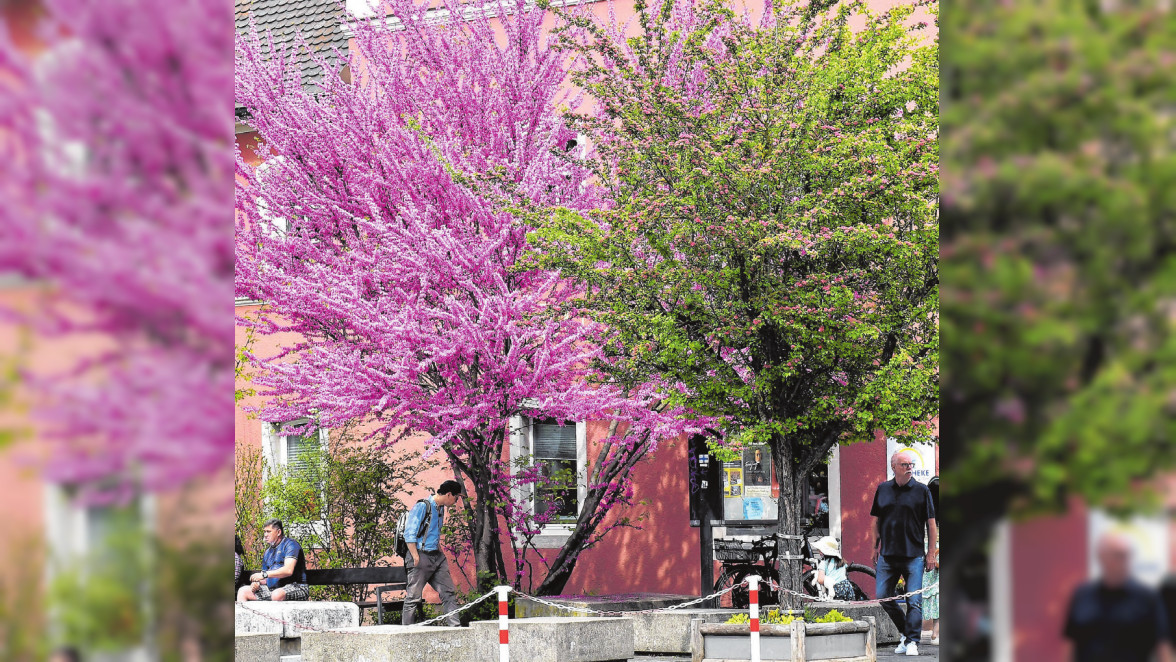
(133, 588)
(100, 600)
(22, 604)
(1059, 247)
(1058, 262)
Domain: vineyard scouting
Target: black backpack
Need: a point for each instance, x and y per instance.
(400, 546)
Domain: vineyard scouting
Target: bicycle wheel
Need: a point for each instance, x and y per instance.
(855, 572)
(809, 581)
(739, 598)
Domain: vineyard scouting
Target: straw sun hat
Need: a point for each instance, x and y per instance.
(828, 546)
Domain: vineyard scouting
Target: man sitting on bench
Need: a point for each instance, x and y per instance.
(283, 575)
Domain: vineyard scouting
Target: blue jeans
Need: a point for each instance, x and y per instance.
(888, 570)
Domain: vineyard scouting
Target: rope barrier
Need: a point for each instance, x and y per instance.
(502, 592)
(806, 596)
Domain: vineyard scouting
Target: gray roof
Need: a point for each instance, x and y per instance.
(319, 21)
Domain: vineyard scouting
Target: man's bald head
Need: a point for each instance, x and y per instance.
(1114, 558)
(903, 464)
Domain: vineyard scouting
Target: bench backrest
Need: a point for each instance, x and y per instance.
(340, 576)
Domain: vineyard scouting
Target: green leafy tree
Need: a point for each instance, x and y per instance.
(1060, 233)
(771, 246)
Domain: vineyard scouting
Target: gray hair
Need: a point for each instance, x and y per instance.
(275, 523)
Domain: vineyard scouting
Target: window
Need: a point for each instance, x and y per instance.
(103, 545)
(296, 454)
(560, 450)
(553, 447)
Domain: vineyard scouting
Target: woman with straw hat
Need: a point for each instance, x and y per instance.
(832, 578)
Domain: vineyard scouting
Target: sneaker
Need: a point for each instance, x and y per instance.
(935, 640)
(912, 648)
(902, 646)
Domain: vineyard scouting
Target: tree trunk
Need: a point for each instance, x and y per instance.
(483, 516)
(788, 521)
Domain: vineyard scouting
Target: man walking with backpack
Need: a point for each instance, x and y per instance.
(425, 563)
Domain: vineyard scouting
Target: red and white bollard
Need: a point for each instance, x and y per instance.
(503, 633)
(753, 589)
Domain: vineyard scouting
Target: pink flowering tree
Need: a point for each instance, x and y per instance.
(374, 232)
(115, 166)
(771, 242)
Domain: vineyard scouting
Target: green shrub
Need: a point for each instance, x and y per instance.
(833, 616)
(775, 617)
(771, 617)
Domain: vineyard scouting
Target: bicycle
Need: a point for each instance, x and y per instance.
(742, 558)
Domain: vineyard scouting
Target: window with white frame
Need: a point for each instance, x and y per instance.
(98, 542)
(553, 449)
(561, 453)
(296, 453)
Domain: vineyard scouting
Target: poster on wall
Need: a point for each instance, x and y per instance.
(757, 467)
(1149, 544)
(753, 508)
(733, 485)
(924, 454)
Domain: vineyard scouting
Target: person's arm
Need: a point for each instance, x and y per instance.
(875, 535)
(1163, 635)
(932, 561)
(875, 539)
(410, 530)
(286, 570)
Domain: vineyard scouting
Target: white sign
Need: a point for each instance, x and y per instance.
(1149, 544)
(924, 458)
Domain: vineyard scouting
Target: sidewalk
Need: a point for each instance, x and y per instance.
(886, 653)
(926, 652)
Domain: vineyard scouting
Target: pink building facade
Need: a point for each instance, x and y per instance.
(664, 555)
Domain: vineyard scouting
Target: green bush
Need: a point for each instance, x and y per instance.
(772, 617)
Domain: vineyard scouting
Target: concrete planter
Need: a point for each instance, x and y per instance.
(579, 605)
(885, 631)
(289, 620)
(653, 632)
(555, 639)
(260, 647)
(797, 642)
(389, 643)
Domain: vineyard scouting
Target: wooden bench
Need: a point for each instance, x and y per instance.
(387, 579)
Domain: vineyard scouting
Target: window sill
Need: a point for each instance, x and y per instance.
(553, 537)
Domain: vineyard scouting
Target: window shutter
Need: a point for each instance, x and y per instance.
(553, 442)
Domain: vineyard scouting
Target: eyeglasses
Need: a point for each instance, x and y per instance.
(907, 465)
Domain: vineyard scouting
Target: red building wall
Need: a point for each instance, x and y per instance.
(1049, 559)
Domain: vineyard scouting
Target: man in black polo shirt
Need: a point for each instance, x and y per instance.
(903, 512)
(1115, 617)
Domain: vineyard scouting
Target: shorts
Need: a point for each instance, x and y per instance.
(293, 591)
